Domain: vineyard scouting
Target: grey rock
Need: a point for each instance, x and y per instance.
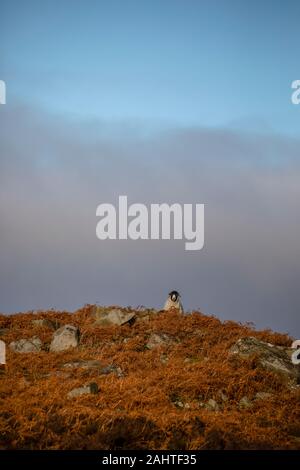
(212, 405)
(111, 316)
(91, 388)
(65, 338)
(270, 357)
(26, 345)
(155, 340)
(245, 403)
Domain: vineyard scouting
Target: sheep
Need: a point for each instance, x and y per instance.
(173, 301)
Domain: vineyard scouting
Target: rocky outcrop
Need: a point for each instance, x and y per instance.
(182, 388)
(65, 338)
(106, 316)
(112, 316)
(26, 345)
(274, 358)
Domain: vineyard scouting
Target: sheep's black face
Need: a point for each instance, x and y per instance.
(174, 295)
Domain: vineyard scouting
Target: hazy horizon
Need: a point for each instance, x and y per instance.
(162, 102)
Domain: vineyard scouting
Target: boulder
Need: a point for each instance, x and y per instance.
(91, 388)
(65, 338)
(270, 357)
(26, 345)
(112, 316)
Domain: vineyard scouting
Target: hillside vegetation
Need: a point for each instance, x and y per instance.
(159, 381)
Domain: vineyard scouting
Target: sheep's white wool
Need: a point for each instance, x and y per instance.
(171, 304)
(296, 344)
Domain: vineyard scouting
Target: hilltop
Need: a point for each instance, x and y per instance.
(142, 379)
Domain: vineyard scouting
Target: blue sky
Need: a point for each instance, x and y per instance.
(87, 84)
(203, 63)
